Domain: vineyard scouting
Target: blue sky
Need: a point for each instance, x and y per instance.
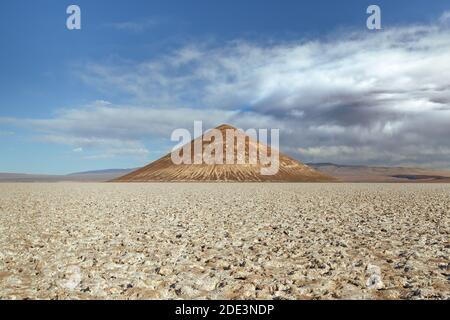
(61, 91)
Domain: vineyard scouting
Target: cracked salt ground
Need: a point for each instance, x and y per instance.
(375, 280)
(224, 241)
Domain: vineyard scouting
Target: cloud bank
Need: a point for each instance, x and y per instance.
(360, 97)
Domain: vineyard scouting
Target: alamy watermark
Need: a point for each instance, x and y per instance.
(227, 145)
(374, 20)
(73, 22)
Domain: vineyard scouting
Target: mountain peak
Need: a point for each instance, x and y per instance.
(225, 127)
(290, 170)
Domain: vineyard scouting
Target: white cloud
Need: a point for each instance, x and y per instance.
(134, 26)
(445, 18)
(6, 133)
(104, 130)
(141, 153)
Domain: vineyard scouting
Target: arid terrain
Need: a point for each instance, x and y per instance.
(224, 241)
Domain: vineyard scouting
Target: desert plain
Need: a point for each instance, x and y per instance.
(224, 241)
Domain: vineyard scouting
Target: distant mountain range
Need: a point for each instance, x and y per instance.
(88, 176)
(355, 173)
(343, 173)
(97, 172)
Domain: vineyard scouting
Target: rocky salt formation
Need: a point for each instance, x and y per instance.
(224, 241)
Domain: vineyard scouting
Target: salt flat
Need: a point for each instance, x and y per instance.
(224, 241)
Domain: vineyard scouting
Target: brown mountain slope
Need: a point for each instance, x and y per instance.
(164, 170)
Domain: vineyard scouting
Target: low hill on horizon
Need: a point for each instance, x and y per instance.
(363, 173)
(87, 176)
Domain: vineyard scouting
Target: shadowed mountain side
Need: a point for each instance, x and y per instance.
(164, 170)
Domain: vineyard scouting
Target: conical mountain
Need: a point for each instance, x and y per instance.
(164, 169)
